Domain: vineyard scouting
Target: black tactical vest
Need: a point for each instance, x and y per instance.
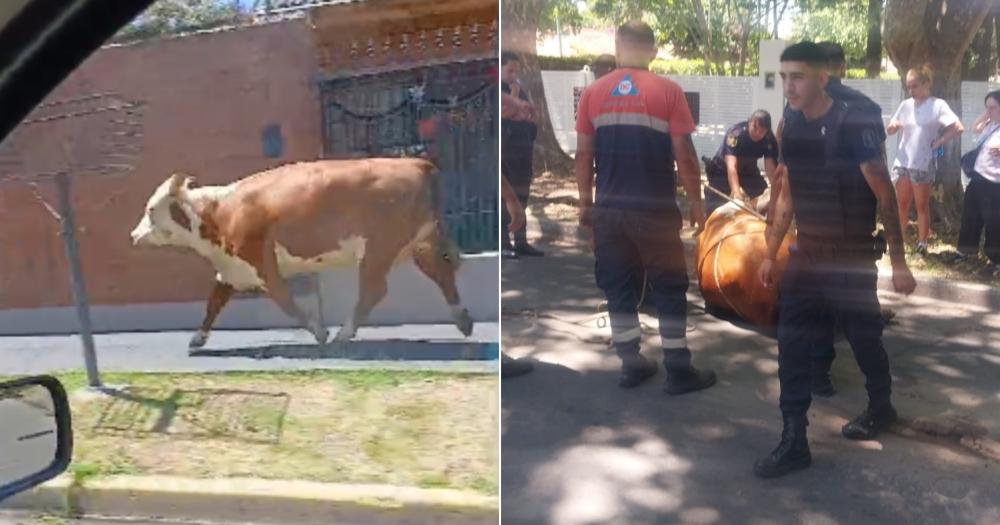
(832, 200)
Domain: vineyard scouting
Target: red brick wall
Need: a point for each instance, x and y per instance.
(207, 99)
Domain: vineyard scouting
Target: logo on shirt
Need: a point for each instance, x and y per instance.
(625, 88)
(732, 139)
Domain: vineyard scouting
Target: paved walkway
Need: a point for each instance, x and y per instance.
(576, 449)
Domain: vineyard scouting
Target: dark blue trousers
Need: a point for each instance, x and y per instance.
(814, 291)
(627, 242)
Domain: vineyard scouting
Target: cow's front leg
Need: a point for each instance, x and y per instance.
(277, 289)
(216, 302)
(372, 287)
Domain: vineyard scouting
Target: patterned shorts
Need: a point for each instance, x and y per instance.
(915, 176)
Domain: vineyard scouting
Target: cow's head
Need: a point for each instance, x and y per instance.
(169, 218)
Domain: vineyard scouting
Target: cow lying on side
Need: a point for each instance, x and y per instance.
(728, 255)
(375, 212)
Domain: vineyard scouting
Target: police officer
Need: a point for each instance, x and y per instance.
(635, 124)
(733, 170)
(871, 114)
(836, 180)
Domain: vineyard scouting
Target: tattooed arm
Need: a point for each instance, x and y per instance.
(877, 176)
(778, 223)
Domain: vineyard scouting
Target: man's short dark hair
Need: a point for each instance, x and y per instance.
(762, 117)
(509, 56)
(995, 95)
(636, 32)
(604, 61)
(834, 53)
(807, 52)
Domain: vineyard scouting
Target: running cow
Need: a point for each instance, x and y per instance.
(264, 228)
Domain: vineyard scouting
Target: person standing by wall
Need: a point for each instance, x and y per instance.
(981, 208)
(518, 130)
(926, 123)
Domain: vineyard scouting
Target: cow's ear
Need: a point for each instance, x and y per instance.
(176, 182)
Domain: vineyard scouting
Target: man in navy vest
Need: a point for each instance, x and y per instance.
(835, 181)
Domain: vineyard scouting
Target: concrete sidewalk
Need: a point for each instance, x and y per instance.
(409, 347)
(577, 449)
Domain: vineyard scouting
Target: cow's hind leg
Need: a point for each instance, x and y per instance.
(277, 289)
(438, 259)
(372, 286)
(220, 296)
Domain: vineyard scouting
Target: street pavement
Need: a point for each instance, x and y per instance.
(576, 449)
(408, 347)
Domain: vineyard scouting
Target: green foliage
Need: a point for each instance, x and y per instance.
(168, 17)
(844, 22)
(724, 36)
(565, 11)
(859, 72)
(677, 66)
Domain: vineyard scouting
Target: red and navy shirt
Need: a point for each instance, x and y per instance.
(632, 113)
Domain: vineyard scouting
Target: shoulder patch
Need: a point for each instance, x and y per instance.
(869, 138)
(732, 139)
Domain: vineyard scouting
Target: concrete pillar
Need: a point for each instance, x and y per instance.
(768, 94)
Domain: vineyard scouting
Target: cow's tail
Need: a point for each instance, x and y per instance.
(448, 246)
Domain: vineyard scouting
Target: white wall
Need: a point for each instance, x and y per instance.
(728, 100)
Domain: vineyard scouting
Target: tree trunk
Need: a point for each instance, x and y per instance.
(922, 31)
(978, 64)
(873, 56)
(519, 20)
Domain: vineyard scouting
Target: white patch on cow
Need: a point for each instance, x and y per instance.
(350, 252)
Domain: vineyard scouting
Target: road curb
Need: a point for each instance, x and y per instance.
(941, 289)
(257, 500)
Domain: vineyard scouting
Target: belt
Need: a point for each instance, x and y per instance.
(870, 248)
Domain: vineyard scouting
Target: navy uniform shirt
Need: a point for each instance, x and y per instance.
(831, 197)
(739, 144)
(869, 113)
(869, 109)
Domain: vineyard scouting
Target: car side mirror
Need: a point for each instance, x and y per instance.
(36, 436)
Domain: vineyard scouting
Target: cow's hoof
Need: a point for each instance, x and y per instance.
(322, 335)
(198, 340)
(464, 322)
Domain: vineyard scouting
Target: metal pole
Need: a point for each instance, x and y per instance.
(79, 290)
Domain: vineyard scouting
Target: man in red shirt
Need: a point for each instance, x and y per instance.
(632, 125)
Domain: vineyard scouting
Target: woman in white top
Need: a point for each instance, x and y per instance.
(926, 123)
(982, 197)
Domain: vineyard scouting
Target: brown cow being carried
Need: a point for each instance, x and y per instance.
(728, 256)
(264, 228)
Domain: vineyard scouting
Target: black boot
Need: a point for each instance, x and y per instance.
(791, 454)
(636, 370)
(872, 421)
(689, 379)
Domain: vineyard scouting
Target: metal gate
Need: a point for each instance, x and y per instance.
(447, 112)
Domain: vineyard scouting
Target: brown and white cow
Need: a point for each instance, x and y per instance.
(255, 231)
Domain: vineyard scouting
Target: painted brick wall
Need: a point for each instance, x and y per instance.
(213, 101)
